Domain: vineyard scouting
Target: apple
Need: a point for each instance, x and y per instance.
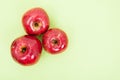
(35, 21)
(26, 50)
(54, 41)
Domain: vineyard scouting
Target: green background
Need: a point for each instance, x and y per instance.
(93, 29)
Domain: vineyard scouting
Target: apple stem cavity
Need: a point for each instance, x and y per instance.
(54, 41)
(23, 50)
(36, 24)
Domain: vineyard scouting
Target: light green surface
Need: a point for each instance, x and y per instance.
(93, 28)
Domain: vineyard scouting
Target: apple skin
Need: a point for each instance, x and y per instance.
(26, 50)
(35, 21)
(55, 41)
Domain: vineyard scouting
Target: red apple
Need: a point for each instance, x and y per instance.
(35, 21)
(26, 50)
(55, 41)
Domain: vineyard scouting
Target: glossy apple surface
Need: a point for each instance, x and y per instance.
(35, 21)
(55, 41)
(26, 50)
